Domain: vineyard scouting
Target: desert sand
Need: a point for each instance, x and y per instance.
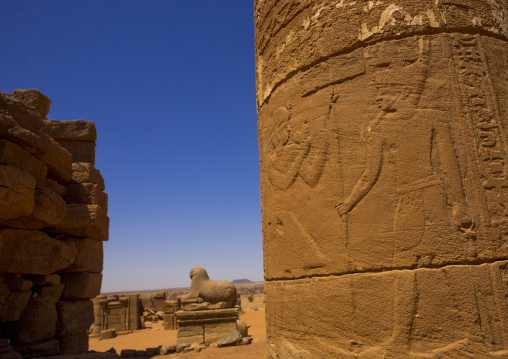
(154, 335)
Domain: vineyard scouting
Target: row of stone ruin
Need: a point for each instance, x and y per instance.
(53, 220)
(182, 348)
(122, 314)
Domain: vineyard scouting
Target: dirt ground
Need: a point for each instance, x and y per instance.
(155, 336)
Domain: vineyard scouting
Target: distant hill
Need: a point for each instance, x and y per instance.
(241, 281)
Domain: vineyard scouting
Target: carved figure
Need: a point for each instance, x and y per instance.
(295, 153)
(411, 134)
(205, 293)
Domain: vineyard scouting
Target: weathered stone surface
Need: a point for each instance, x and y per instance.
(49, 347)
(205, 326)
(21, 124)
(14, 156)
(86, 193)
(81, 151)
(84, 220)
(17, 283)
(55, 186)
(128, 353)
(57, 158)
(33, 98)
(46, 279)
(14, 305)
(74, 343)
(53, 291)
(230, 339)
(90, 255)
(49, 209)
(17, 191)
(386, 318)
(38, 321)
(83, 285)
(11, 355)
(75, 130)
(242, 327)
(293, 36)
(190, 333)
(383, 149)
(108, 334)
(33, 252)
(83, 172)
(74, 317)
(214, 332)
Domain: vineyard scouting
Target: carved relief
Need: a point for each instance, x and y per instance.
(409, 134)
(479, 108)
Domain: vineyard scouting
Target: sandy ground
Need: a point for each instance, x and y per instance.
(155, 336)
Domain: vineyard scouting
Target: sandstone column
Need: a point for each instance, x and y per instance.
(383, 148)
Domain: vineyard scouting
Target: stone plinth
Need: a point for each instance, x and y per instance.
(383, 154)
(205, 326)
(170, 309)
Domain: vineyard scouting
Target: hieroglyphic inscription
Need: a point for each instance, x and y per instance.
(479, 106)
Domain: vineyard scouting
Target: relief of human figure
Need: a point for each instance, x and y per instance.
(423, 192)
(426, 196)
(295, 153)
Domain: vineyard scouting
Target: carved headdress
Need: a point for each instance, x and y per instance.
(411, 77)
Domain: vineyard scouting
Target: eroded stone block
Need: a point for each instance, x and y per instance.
(33, 252)
(83, 285)
(74, 343)
(74, 317)
(14, 156)
(75, 130)
(17, 193)
(90, 255)
(14, 305)
(83, 172)
(49, 210)
(38, 321)
(84, 220)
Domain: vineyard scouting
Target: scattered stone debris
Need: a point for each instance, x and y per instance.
(108, 334)
(230, 339)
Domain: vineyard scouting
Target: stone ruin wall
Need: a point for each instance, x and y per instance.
(53, 220)
(384, 180)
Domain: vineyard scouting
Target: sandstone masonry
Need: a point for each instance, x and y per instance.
(383, 153)
(53, 220)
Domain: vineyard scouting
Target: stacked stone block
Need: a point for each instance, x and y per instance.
(52, 224)
(170, 309)
(205, 326)
(154, 301)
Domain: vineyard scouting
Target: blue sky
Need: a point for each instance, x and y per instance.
(170, 85)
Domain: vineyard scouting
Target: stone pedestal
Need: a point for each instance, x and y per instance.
(170, 309)
(205, 326)
(384, 181)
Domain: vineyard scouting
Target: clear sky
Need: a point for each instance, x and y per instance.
(170, 85)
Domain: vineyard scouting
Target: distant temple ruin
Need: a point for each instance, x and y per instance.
(53, 219)
(384, 180)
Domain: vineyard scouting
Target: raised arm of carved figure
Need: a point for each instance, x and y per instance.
(314, 164)
(452, 179)
(284, 179)
(374, 159)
